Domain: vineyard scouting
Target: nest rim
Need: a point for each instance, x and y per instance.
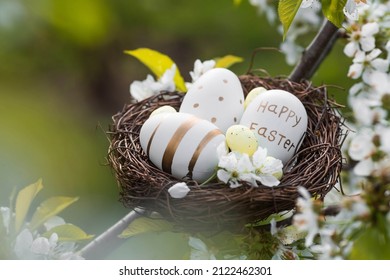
(215, 206)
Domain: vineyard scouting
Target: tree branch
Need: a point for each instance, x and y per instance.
(108, 241)
(316, 52)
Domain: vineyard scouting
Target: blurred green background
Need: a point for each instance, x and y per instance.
(63, 74)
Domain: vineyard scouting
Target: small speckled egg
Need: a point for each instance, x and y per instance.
(182, 145)
(163, 110)
(252, 95)
(279, 121)
(241, 139)
(217, 96)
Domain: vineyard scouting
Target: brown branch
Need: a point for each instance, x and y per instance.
(109, 240)
(316, 52)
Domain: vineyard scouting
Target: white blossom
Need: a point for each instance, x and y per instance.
(43, 246)
(199, 250)
(306, 20)
(31, 246)
(266, 168)
(306, 4)
(361, 149)
(199, 69)
(291, 50)
(362, 39)
(361, 145)
(351, 9)
(22, 247)
(366, 64)
(141, 90)
(367, 111)
(380, 82)
(370, 148)
(263, 6)
(307, 219)
(179, 190)
(327, 249)
(235, 167)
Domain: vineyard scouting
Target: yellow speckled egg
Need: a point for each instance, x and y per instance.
(252, 95)
(182, 145)
(241, 139)
(163, 110)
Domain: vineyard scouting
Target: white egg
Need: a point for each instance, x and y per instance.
(182, 145)
(163, 110)
(252, 95)
(279, 121)
(217, 96)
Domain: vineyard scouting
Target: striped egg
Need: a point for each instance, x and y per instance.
(182, 145)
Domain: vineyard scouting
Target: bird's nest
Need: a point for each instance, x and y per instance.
(215, 206)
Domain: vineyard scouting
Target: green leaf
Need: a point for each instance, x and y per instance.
(68, 232)
(50, 208)
(145, 225)
(227, 61)
(237, 2)
(333, 11)
(372, 244)
(287, 9)
(158, 63)
(23, 202)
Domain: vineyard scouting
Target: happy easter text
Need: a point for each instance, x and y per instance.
(282, 112)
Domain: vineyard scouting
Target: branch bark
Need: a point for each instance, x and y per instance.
(316, 52)
(108, 241)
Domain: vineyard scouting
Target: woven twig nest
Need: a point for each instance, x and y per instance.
(216, 206)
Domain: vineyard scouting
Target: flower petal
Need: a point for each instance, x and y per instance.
(223, 175)
(380, 64)
(268, 180)
(141, 90)
(259, 157)
(367, 43)
(351, 10)
(355, 70)
(351, 48)
(370, 29)
(222, 150)
(23, 244)
(361, 146)
(244, 164)
(179, 190)
(364, 167)
(228, 162)
(40, 246)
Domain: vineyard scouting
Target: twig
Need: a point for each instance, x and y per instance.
(316, 52)
(108, 241)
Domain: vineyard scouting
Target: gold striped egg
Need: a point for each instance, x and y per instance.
(182, 145)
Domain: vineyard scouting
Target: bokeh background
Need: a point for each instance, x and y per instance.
(63, 74)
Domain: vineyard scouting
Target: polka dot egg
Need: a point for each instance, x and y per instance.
(217, 97)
